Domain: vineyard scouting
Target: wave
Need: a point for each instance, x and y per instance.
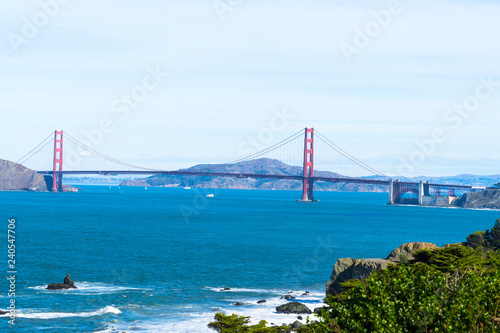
(296, 293)
(247, 290)
(55, 315)
(90, 288)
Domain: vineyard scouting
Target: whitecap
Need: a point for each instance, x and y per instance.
(55, 315)
(247, 290)
(90, 288)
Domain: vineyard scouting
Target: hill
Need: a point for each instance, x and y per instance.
(258, 166)
(15, 177)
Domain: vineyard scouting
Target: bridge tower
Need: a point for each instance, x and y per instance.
(58, 161)
(307, 183)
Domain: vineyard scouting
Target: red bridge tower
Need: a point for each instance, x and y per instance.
(307, 184)
(58, 161)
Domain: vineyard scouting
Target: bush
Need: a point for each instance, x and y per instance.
(415, 298)
(236, 323)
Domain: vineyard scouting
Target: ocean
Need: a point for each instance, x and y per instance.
(156, 259)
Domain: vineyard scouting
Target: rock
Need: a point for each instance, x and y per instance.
(15, 177)
(407, 250)
(305, 294)
(299, 317)
(3, 312)
(293, 307)
(225, 289)
(261, 301)
(68, 284)
(349, 268)
(238, 304)
(59, 286)
(296, 324)
(287, 297)
(489, 199)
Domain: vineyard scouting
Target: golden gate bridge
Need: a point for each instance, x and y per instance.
(308, 176)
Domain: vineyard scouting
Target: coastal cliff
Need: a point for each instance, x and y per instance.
(488, 199)
(15, 177)
(350, 268)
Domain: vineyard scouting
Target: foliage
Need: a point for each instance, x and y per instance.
(235, 323)
(489, 239)
(452, 289)
(476, 239)
(414, 298)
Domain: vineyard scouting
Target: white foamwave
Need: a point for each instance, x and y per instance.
(55, 315)
(90, 288)
(248, 290)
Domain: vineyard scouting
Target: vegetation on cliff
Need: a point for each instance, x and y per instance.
(450, 289)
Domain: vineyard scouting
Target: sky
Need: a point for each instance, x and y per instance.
(408, 87)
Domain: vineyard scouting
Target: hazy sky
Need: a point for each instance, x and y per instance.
(376, 77)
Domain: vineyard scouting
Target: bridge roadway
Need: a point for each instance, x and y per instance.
(253, 175)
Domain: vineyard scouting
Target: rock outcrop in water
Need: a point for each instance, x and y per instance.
(489, 199)
(293, 307)
(67, 284)
(15, 177)
(350, 268)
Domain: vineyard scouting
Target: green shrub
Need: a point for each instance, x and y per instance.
(235, 323)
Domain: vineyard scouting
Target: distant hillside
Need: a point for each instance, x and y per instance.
(259, 166)
(15, 177)
(489, 199)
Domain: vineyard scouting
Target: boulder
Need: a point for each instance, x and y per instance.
(3, 312)
(15, 177)
(238, 304)
(67, 284)
(296, 324)
(407, 250)
(225, 289)
(261, 301)
(350, 268)
(293, 307)
(287, 297)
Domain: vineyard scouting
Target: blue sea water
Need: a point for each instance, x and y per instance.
(155, 260)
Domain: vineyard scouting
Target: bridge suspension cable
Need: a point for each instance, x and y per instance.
(107, 158)
(291, 138)
(349, 156)
(32, 152)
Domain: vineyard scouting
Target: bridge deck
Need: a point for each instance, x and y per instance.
(251, 175)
